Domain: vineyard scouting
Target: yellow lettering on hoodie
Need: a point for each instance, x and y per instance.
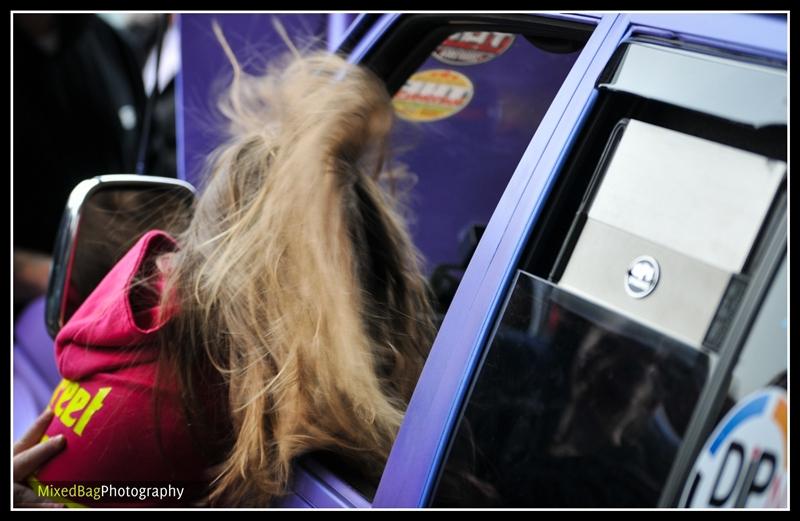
(67, 394)
(94, 406)
(61, 385)
(76, 404)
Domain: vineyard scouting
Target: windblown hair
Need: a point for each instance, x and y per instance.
(296, 281)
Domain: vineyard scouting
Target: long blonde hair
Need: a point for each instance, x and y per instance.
(296, 282)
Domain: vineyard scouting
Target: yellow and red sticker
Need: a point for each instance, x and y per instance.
(433, 94)
(472, 48)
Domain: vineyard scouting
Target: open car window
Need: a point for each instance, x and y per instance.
(464, 118)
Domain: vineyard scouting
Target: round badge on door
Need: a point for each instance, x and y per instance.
(642, 276)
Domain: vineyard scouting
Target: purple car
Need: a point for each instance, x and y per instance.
(601, 202)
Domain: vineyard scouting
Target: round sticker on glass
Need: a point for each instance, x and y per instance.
(472, 48)
(743, 463)
(432, 95)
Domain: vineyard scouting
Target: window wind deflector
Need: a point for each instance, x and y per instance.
(748, 93)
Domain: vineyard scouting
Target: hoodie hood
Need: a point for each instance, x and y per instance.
(107, 332)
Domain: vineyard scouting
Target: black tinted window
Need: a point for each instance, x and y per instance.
(574, 406)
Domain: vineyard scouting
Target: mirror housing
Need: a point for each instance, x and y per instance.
(103, 218)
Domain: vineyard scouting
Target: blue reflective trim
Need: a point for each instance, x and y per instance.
(372, 37)
(750, 33)
(180, 131)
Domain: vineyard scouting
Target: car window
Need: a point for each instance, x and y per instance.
(464, 119)
(574, 406)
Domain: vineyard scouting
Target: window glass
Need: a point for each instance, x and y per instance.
(574, 406)
(465, 117)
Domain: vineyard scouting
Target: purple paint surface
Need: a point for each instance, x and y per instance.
(205, 70)
(293, 501)
(345, 494)
(35, 371)
(749, 33)
(323, 490)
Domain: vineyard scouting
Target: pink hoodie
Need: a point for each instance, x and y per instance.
(104, 407)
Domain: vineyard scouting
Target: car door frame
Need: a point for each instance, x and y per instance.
(413, 465)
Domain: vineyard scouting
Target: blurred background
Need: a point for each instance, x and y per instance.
(86, 91)
(112, 93)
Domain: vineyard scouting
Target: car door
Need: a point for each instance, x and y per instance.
(580, 399)
(516, 236)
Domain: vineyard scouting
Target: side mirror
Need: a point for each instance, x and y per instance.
(104, 217)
